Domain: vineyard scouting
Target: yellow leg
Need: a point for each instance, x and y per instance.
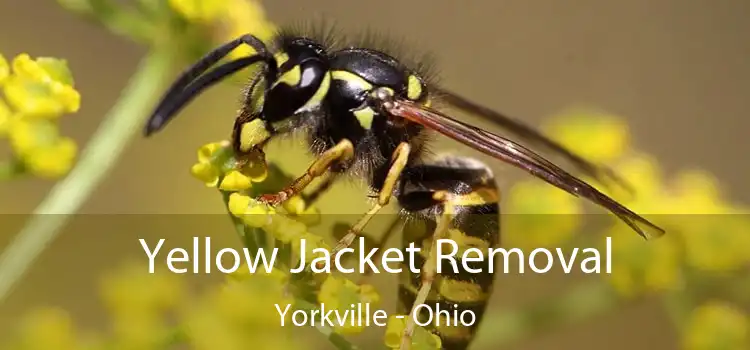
(341, 152)
(429, 269)
(398, 163)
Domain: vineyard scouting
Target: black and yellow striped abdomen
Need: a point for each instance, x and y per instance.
(473, 200)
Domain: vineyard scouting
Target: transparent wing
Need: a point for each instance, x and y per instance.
(526, 133)
(519, 156)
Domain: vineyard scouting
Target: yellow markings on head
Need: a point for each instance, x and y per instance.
(414, 88)
(281, 58)
(351, 78)
(252, 134)
(291, 77)
(365, 117)
(320, 94)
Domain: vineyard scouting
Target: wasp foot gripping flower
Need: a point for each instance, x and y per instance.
(38, 92)
(422, 339)
(715, 326)
(342, 294)
(216, 161)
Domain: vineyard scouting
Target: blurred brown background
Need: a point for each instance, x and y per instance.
(677, 70)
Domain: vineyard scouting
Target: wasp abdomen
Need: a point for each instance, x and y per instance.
(458, 298)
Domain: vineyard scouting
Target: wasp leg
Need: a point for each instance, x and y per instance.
(314, 195)
(398, 163)
(452, 198)
(429, 271)
(341, 152)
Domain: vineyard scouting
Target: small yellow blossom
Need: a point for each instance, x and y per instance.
(692, 210)
(286, 230)
(235, 181)
(207, 152)
(26, 135)
(716, 325)
(715, 236)
(342, 294)
(139, 330)
(238, 204)
(4, 69)
(48, 329)
(53, 161)
(43, 151)
(596, 136)
(252, 301)
(239, 313)
(294, 205)
(312, 242)
(640, 266)
(205, 172)
(244, 17)
(132, 289)
(540, 215)
(6, 117)
(422, 339)
(42, 87)
(200, 11)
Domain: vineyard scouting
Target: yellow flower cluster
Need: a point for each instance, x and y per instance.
(36, 93)
(157, 311)
(242, 312)
(422, 339)
(704, 231)
(717, 325)
(342, 294)
(232, 18)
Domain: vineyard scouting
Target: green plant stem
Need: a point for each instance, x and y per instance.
(107, 144)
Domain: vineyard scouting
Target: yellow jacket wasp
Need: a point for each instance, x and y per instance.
(367, 114)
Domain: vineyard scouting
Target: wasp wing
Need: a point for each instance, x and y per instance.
(525, 132)
(519, 156)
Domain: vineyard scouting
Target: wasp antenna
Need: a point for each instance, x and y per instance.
(190, 82)
(169, 108)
